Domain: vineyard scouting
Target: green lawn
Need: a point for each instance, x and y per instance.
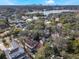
(2, 21)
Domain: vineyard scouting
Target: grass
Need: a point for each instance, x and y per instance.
(2, 21)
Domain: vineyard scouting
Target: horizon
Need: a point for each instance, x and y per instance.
(39, 5)
(40, 2)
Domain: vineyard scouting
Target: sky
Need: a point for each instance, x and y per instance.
(39, 2)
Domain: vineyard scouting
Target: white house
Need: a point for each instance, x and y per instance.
(14, 51)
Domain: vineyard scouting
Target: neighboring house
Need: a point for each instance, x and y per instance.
(4, 33)
(18, 23)
(24, 17)
(57, 20)
(14, 52)
(77, 37)
(29, 20)
(3, 24)
(59, 27)
(32, 45)
(35, 17)
(15, 21)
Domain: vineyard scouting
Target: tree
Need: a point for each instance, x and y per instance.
(6, 44)
(2, 55)
(48, 51)
(40, 53)
(45, 52)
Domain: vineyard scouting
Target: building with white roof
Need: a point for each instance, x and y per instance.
(14, 51)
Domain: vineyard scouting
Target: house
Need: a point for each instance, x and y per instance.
(57, 19)
(35, 17)
(3, 24)
(59, 27)
(33, 45)
(4, 33)
(14, 51)
(29, 20)
(18, 23)
(24, 17)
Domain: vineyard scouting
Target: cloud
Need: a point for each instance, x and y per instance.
(6, 2)
(49, 2)
(70, 2)
(9, 2)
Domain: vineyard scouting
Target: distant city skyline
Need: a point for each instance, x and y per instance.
(39, 2)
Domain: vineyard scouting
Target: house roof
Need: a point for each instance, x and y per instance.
(2, 47)
(31, 43)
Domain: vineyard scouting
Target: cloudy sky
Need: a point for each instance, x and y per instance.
(37, 2)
